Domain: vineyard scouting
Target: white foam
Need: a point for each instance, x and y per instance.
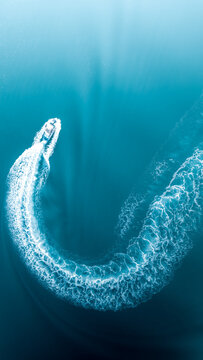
(129, 278)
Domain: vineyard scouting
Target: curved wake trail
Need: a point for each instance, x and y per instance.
(129, 278)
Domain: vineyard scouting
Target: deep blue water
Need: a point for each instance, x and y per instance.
(120, 75)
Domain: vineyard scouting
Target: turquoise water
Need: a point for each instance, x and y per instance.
(120, 75)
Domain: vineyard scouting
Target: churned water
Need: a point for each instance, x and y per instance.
(124, 195)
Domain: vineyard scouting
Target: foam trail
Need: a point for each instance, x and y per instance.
(129, 278)
(185, 136)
